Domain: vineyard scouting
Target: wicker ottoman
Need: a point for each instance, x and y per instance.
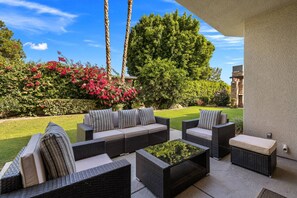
(254, 153)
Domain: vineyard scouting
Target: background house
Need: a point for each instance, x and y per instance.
(237, 86)
(269, 29)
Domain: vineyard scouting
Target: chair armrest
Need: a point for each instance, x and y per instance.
(223, 131)
(165, 121)
(87, 149)
(187, 124)
(109, 180)
(11, 179)
(84, 132)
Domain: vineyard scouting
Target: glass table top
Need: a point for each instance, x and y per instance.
(174, 152)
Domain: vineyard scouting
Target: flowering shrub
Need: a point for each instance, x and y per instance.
(63, 79)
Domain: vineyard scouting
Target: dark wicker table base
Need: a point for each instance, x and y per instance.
(167, 181)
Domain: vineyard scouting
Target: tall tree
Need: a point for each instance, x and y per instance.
(130, 2)
(215, 74)
(171, 37)
(107, 40)
(11, 50)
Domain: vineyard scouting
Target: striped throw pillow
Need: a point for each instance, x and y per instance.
(101, 120)
(56, 151)
(146, 116)
(208, 119)
(127, 118)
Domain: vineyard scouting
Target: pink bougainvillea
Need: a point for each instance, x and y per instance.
(90, 80)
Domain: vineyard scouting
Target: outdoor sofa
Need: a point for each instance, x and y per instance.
(125, 140)
(216, 137)
(96, 174)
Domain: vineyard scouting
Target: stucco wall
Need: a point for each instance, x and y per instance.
(270, 60)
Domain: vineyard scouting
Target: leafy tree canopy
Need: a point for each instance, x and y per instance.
(11, 50)
(171, 37)
(161, 83)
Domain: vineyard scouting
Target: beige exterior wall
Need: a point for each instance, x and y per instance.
(271, 77)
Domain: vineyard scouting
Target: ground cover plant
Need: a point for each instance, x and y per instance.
(15, 133)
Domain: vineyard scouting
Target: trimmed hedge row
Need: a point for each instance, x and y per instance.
(12, 107)
(66, 106)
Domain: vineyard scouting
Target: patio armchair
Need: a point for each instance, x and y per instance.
(217, 139)
(112, 179)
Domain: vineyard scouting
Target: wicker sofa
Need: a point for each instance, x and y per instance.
(119, 141)
(216, 139)
(107, 180)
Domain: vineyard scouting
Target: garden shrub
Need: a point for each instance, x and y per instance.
(221, 98)
(9, 106)
(201, 91)
(161, 83)
(238, 125)
(65, 106)
(28, 84)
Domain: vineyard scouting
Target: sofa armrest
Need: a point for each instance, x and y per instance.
(84, 132)
(109, 180)
(165, 121)
(87, 149)
(223, 132)
(187, 124)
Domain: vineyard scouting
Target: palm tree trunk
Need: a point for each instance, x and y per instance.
(107, 40)
(126, 40)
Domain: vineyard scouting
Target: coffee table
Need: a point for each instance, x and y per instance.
(169, 168)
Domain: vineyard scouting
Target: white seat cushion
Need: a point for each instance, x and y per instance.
(31, 164)
(92, 162)
(200, 132)
(153, 128)
(109, 135)
(134, 131)
(255, 144)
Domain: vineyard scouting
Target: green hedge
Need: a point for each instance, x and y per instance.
(65, 106)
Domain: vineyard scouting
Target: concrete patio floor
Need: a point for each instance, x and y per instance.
(228, 180)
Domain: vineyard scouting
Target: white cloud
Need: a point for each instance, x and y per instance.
(38, 46)
(226, 42)
(41, 9)
(171, 1)
(92, 43)
(42, 18)
(205, 29)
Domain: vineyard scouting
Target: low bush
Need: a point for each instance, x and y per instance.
(238, 125)
(221, 98)
(9, 106)
(65, 106)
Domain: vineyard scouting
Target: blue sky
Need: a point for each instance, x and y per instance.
(76, 28)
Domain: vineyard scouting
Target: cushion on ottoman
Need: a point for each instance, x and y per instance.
(56, 151)
(31, 164)
(255, 144)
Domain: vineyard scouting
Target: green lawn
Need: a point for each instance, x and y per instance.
(15, 133)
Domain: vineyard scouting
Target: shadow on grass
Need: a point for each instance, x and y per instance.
(9, 148)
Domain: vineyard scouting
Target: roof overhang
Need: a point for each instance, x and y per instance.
(228, 16)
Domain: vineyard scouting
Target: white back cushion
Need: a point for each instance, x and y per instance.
(31, 164)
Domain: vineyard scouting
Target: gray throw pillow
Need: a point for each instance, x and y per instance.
(56, 151)
(208, 119)
(102, 120)
(147, 116)
(127, 118)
